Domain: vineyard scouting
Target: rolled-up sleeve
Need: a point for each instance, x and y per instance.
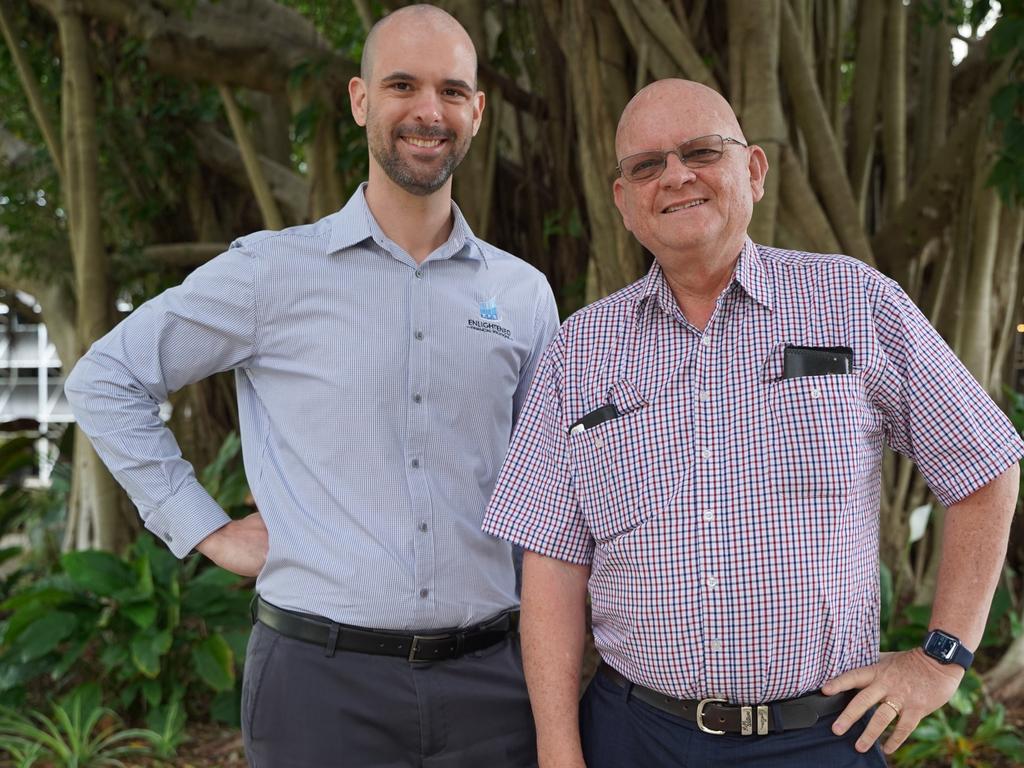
(534, 503)
(205, 325)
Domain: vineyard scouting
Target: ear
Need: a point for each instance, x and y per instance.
(478, 110)
(357, 100)
(619, 194)
(757, 164)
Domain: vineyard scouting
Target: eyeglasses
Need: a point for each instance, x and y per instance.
(695, 153)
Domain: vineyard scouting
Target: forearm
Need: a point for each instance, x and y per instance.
(553, 632)
(973, 550)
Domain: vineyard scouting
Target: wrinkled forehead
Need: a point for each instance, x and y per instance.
(661, 119)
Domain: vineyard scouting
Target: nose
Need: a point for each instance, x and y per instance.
(427, 109)
(676, 172)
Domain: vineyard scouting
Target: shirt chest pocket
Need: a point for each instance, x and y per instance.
(614, 474)
(814, 423)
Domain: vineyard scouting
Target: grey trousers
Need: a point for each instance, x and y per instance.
(302, 709)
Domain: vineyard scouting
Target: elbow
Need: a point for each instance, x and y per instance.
(78, 386)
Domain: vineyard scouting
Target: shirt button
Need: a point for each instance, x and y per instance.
(415, 463)
(423, 527)
(424, 592)
(716, 645)
(705, 340)
(708, 515)
(419, 273)
(712, 582)
(705, 396)
(705, 453)
(418, 335)
(168, 537)
(417, 398)
(815, 392)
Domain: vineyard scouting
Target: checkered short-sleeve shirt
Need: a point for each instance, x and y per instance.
(730, 515)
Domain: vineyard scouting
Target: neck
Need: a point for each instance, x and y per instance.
(419, 224)
(697, 280)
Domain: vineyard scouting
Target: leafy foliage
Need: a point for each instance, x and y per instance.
(969, 732)
(80, 734)
(149, 626)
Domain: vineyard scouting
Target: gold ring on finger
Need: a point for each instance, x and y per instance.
(893, 705)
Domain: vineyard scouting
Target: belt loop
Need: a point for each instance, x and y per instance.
(627, 691)
(253, 606)
(332, 641)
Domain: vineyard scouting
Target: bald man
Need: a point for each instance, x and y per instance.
(381, 358)
(702, 451)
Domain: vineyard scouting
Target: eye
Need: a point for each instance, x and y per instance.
(701, 155)
(401, 86)
(453, 93)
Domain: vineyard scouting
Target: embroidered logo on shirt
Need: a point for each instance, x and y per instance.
(501, 330)
(489, 309)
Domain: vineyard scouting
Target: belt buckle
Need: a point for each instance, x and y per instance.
(700, 715)
(415, 646)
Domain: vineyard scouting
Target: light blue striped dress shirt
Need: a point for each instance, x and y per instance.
(376, 399)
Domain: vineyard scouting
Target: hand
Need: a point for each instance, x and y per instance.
(910, 681)
(240, 546)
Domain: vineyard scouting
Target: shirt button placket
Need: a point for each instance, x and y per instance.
(416, 440)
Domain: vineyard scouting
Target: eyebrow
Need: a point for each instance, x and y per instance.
(405, 76)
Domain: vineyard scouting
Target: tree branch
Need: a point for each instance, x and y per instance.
(250, 159)
(218, 152)
(35, 99)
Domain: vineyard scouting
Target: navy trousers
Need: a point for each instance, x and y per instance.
(302, 709)
(618, 731)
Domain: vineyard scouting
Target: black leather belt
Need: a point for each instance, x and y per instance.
(435, 646)
(717, 716)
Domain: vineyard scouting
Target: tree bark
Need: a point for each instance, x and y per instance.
(272, 218)
(95, 499)
(864, 102)
(894, 116)
(753, 33)
(826, 163)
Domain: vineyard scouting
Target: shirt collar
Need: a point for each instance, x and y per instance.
(750, 273)
(355, 223)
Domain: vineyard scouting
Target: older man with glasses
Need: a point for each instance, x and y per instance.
(702, 449)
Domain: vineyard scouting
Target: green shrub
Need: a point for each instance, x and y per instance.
(81, 734)
(151, 627)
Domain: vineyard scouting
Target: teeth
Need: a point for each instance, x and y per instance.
(423, 142)
(675, 208)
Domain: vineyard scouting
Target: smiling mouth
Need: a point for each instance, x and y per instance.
(423, 143)
(684, 206)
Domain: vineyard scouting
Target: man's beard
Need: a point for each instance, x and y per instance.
(405, 175)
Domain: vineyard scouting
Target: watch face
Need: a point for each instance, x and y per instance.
(942, 646)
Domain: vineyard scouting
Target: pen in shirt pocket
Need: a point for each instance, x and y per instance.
(595, 417)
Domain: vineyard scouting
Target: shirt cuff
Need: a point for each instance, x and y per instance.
(186, 518)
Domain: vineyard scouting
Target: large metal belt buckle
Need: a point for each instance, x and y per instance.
(416, 639)
(700, 715)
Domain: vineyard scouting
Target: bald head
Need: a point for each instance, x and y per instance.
(427, 19)
(674, 106)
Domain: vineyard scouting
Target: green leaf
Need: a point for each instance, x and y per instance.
(44, 635)
(99, 572)
(153, 692)
(147, 648)
(215, 663)
(142, 614)
(226, 707)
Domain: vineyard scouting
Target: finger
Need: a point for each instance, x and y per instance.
(876, 725)
(855, 710)
(900, 733)
(861, 677)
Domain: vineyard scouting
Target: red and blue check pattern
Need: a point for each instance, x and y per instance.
(730, 516)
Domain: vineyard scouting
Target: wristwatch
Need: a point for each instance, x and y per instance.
(947, 649)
